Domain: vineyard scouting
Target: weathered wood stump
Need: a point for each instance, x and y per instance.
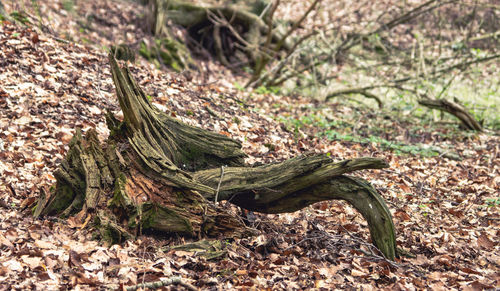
(157, 173)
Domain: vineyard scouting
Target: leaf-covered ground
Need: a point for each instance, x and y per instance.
(446, 211)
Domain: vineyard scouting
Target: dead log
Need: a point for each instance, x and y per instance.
(455, 109)
(156, 173)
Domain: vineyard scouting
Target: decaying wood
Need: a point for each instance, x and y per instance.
(229, 31)
(155, 172)
(455, 109)
(162, 283)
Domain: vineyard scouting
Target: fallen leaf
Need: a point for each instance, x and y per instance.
(484, 242)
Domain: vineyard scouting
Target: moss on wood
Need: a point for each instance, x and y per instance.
(161, 174)
(233, 33)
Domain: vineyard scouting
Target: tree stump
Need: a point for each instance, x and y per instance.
(233, 33)
(157, 173)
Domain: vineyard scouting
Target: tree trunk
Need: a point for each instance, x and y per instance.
(156, 173)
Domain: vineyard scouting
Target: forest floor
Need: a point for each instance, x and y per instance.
(445, 206)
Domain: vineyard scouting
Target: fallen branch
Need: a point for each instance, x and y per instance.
(162, 283)
(363, 91)
(455, 109)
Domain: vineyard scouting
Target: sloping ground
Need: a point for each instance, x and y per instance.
(444, 210)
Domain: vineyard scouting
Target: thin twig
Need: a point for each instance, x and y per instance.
(296, 25)
(276, 70)
(220, 181)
